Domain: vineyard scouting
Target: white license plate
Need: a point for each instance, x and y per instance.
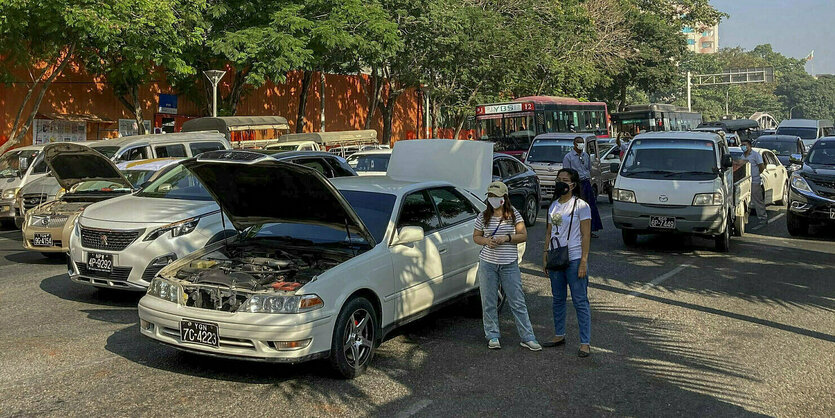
(203, 333)
(100, 262)
(42, 240)
(831, 213)
(662, 222)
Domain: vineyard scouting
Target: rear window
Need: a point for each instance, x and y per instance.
(804, 133)
(198, 148)
(785, 148)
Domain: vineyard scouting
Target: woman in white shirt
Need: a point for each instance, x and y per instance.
(570, 225)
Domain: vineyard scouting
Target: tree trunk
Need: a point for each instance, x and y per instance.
(373, 98)
(459, 125)
(237, 90)
(435, 116)
(387, 109)
(35, 82)
(622, 104)
(306, 79)
(137, 111)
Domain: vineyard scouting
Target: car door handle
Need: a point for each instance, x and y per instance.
(442, 250)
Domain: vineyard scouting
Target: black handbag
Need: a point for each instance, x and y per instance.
(558, 255)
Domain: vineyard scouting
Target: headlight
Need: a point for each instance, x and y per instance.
(177, 229)
(10, 194)
(281, 304)
(708, 199)
(166, 289)
(622, 195)
(799, 183)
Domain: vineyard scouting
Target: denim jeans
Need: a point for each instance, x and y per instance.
(489, 276)
(579, 296)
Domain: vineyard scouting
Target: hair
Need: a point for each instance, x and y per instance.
(507, 209)
(575, 178)
(748, 140)
(580, 138)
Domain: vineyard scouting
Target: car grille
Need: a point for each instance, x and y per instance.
(51, 221)
(119, 273)
(30, 200)
(151, 272)
(214, 298)
(106, 239)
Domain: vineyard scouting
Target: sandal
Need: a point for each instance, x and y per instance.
(581, 353)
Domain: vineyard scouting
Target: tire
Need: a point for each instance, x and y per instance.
(785, 198)
(611, 199)
(18, 222)
(723, 240)
(595, 192)
(796, 225)
(630, 238)
(739, 226)
(354, 338)
(7, 224)
(531, 210)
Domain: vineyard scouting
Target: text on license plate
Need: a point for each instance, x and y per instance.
(42, 240)
(100, 262)
(831, 213)
(204, 333)
(663, 222)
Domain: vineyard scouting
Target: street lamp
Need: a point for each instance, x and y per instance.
(214, 77)
(791, 110)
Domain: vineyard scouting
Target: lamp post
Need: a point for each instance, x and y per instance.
(791, 110)
(214, 77)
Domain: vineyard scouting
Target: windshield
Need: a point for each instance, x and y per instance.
(782, 148)
(379, 162)
(803, 133)
(823, 153)
(138, 177)
(549, 152)
(108, 152)
(373, 208)
(178, 183)
(670, 159)
(96, 186)
(10, 162)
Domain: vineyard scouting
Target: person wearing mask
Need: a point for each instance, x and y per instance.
(569, 226)
(757, 167)
(499, 228)
(579, 161)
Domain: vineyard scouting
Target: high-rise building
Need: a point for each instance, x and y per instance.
(702, 39)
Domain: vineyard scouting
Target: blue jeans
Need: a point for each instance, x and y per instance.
(579, 296)
(489, 276)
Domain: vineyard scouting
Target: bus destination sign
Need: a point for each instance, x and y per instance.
(503, 108)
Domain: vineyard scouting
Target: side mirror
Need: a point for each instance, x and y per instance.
(23, 163)
(795, 158)
(408, 235)
(614, 167)
(727, 161)
(524, 155)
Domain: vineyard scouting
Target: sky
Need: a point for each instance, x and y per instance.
(792, 27)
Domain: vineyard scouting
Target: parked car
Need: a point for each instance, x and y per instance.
(809, 130)
(545, 157)
(812, 189)
(522, 185)
(18, 167)
(766, 132)
(123, 242)
(86, 177)
(370, 162)
(676, 182)
(774, 178)
(324, 269)
(293, 146)
(785, 147)
(743, 128)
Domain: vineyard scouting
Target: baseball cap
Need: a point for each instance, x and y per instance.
(497, 188)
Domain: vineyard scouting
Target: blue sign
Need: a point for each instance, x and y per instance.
(168, 103)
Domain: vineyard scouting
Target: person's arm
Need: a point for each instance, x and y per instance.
(585, 232)
(546, 247)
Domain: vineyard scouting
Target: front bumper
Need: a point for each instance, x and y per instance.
(807, 205)
(547, 184)
(60, 237)
(242, 335)
(700, 220)
(7, 209)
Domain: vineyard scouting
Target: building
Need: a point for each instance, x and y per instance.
(702, 39)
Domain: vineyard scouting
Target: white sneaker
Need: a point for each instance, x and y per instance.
(493, 344)
(531, 345)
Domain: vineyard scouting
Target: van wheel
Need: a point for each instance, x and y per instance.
(611, 199)
(630, 238)
(531, 210)
(723, 240)
(739, 226)
(354, 338)
(796, 225)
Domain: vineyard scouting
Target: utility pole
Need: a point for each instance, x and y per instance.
(689, 85)
(322, 107)
(214, 77)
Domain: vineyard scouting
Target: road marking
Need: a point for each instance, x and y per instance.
(769, 221)
(659, 279)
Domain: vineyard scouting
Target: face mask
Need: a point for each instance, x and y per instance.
(561, 188)
(581, 146)
(496, 202)
(745, 148)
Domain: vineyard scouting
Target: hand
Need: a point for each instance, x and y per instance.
(492, 243)
(583, 270)
(545, 266)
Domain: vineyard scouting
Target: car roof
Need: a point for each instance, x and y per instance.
(287, 155)
(155, 164)
(382, 184)
(827, 139)
(679, 135)
(373, 152)
(779, 138)
(565, 135)
(161, 138)
(803, 123)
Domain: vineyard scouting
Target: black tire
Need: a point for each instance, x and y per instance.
(7, 224)
(796, 225)
(785, 198)
(531, 211)
(18, 222)
(630, 238)
(611, 198)
(354, 338)
(723, 240)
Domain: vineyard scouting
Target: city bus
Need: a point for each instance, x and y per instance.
(654, 117)
(512, 126)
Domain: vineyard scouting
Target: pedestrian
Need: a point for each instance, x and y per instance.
(757, 167)
(499, 228)
(569, 226)
(579, 161)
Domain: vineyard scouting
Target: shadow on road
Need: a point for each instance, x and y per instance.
(64, 288)
(31, 257)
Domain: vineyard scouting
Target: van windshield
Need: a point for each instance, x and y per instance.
(803, 133)
(549, 152)
(682, 159)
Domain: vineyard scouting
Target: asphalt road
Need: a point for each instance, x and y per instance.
(677, 329)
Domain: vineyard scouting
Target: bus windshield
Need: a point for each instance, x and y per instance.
(508, 132)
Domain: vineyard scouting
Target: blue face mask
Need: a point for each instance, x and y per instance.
(745, 148)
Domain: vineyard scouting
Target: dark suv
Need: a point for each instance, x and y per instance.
(812, 191)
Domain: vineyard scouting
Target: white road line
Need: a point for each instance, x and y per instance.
(658, 280)
(769, 221)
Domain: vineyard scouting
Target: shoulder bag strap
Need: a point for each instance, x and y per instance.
(571, 223)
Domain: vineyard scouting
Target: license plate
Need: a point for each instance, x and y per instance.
(662, 222)
(203, 333)
(42, 240)
(831, 213)
(100, 262)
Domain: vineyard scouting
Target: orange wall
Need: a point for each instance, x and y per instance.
(75, 92)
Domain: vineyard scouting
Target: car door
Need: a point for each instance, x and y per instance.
(771, 182)
(781, 178)
(514, 182)
(457, 219)
(418, 266)
(497, 170)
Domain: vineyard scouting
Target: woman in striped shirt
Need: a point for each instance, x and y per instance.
(499, 228)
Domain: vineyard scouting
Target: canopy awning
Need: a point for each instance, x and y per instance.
(75, 117)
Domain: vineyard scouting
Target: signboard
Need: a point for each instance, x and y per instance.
(168, 104)
(127, 127)
(48, 130)
(503, 108)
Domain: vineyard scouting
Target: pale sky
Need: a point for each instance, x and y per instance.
(792, 27)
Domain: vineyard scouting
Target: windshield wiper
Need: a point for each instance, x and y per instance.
(688, 172)
(627, 173)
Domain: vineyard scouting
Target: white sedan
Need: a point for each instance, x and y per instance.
(324, 268)
(371, 162)
(775, 178)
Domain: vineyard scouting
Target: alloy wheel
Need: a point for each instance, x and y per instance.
(530, 211)
(359, 337)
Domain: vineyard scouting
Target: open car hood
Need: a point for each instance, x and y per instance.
(73, 163)
(466, 164)
(264, 190)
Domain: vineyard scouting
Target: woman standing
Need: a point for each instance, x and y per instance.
(570, 226)
(499, 228)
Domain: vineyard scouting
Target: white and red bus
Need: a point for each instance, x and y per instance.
(512, 126)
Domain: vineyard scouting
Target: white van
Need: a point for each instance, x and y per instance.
(809, 130)
(676, 182)
(18, 167)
